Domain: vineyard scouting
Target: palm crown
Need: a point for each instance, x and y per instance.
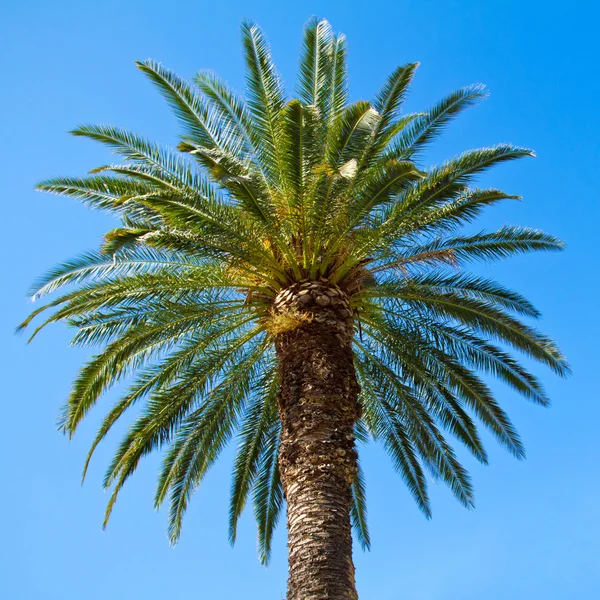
(266, 197)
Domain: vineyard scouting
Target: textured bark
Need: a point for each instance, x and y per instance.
(318, 409)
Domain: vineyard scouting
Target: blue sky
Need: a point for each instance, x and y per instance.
(535, 532)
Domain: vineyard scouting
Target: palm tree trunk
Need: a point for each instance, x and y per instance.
(318, 409)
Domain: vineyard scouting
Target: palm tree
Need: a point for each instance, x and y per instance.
(293, 277)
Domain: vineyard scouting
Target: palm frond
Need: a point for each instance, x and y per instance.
(265, 97)
(201, 126)
(432, 123)
(359, 510)
(316, 65)
(257, 425)
(268, 494)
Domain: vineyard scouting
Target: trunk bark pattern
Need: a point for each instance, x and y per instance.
(318, 409)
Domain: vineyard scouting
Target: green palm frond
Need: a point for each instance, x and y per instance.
(201, 437)
(202, 126)
(101, 192)
(359, 510)
(268, 493)
(387, 427)
(257, 425)
(338, 86)
(388, 102)
(316, 66)
(430, 124)
(265, 99)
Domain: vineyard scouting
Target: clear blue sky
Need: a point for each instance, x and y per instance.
(535, 532)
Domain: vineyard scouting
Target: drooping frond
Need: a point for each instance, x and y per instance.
(387, 428)
(268, 493)
(257, 426)
(359, 510)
